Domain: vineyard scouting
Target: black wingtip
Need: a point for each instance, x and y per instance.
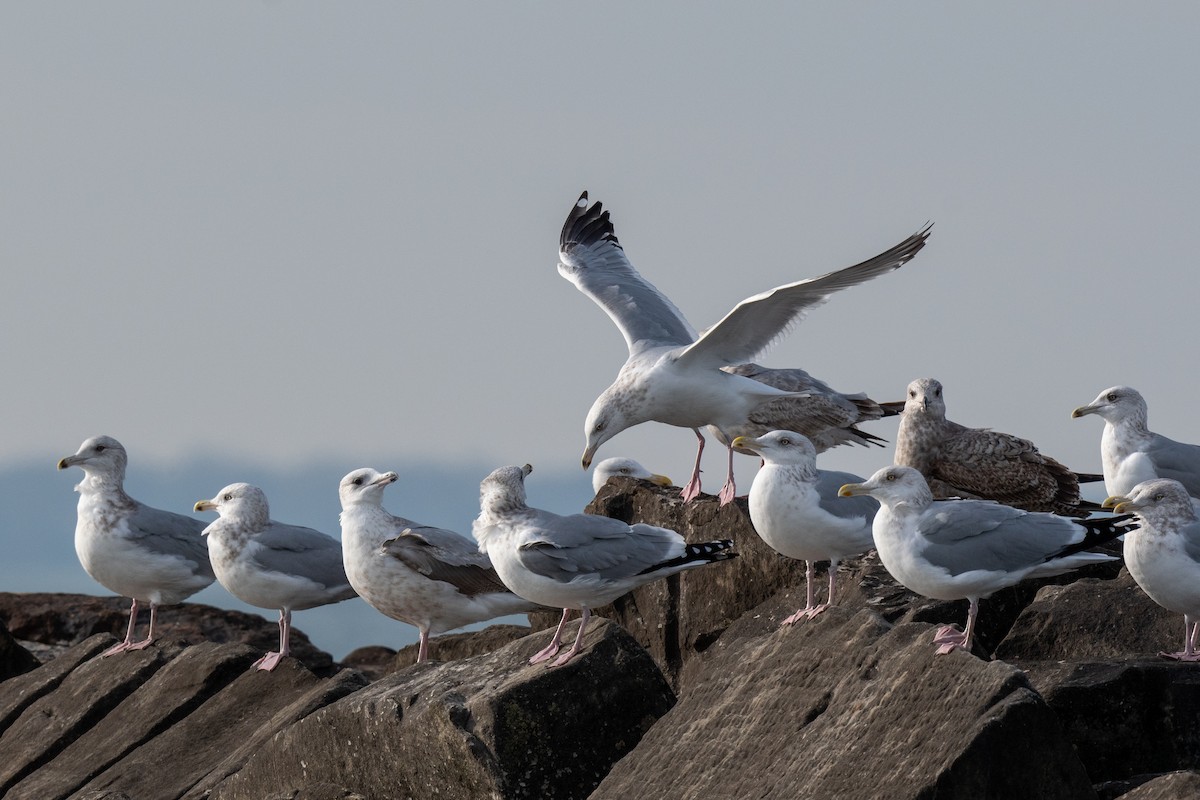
(1097, 531)
(587, 225)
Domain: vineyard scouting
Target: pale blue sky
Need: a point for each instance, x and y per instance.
(281, 234)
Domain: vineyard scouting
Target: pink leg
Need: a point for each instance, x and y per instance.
(271, 660)
(578, 646)
(423, 647)
(810, 573)
(728, 491)
(692, 490)
(1190, 632)
(149, 640)
(551, 650)
(121, 647)
(950, 639)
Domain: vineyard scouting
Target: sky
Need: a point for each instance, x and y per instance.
(283, 238)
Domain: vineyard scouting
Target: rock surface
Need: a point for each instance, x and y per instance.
(14, 659)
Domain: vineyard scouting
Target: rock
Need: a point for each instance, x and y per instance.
(67, 619)
(1092, 620)
(489, 726)
(373, 661)
(1127, 717)
(17, 694)
(14, 659)
(1172, 786)
(849, 706)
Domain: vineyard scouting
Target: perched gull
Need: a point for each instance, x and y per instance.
(1131, 452)
(796, 510)
(624, 468)
(269, 564)
(827, 417)
(955, 549)
(1163, 555)
(137, 551)
(673, 375)
(428, 577)
(978, 463)
(578, 561)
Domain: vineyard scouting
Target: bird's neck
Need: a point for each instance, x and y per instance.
(111, 487)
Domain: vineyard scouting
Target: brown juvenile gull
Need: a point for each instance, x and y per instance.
(968, 549)
(978, 463)
(825, 416)
(624, 468)
(139, 552)
(674, 375)
(578, 561)
(269, 564)
(1131, 452)
(429, 577)
(796, 510)
(1163, 555)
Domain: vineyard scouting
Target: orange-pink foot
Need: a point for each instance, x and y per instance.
(268, 662)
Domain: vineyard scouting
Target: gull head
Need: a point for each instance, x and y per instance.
(239, 501)
(780, 447)
(503, 490)
(925, 397)
(101, 456)
(608, 416)
(1115, 404)
(624, 468)
(893, 486)
(1162, 504)
(364, 487)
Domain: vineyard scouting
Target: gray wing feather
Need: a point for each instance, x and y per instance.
(757, 321)
(1178, 461)
(1191, 540)
(967, 535)
(171, 534)
(308, 553)
(564, 548)
(469, 571)
(591, 258)
(828, 483)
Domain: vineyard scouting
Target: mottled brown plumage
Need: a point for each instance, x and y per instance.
(958, 461)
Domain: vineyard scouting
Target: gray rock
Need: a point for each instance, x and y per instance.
(1172, 786)
(848, 706)
(14, 659)
(483, 727)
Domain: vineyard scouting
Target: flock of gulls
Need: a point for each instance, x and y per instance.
(961, 513)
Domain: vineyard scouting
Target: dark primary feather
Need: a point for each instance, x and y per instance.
(470, 573)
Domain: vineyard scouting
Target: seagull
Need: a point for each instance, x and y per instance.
(139, 552)
(579, 561)
(674, 375)
(1131, 452)
(796, 510)
(956, 549)
(269, 564)
(624, 468)
(977, 463)
(1163, 555)
(825, 416)
(429, 577)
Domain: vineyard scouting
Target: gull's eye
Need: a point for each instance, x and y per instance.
(912, 392)
(937, 392)
(891, 476)
(1159, 497)
(1112, 397)
(626, 470)
(785, 441)
(357, 481)
(228, 496)
(99, 448)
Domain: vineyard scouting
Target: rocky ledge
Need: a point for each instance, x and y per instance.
(689, 688)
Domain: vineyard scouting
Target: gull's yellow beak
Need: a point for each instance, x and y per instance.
(204, 505)
(661, 480)
(1118, 504)
(852, 489)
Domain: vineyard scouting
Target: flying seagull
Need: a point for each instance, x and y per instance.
(968, 549)
(674, 375)
(429, 577)
(1131, 452)
(978, 463)
(578, 561)
(796, 510)
(139, 552)
(1163, 555)
(269, 564)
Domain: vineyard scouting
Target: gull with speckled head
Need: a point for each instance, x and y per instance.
(968, 549)
(620, 467)
(269, 564)
(796, 510)
(143, 553)
(429, 577)
(674, 375)
(1131, 453)
(579, 561)
(1163, 555)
